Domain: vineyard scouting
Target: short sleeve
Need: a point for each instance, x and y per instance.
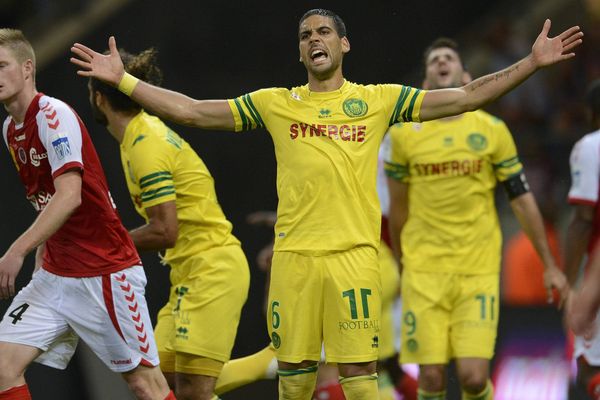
(248, 109)
(505, 160)
(406, 103)
(154, 175)
(59, 130)
(395, 161)
(585, 164)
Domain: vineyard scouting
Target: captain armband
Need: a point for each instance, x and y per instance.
(516, 185)
(128, 83)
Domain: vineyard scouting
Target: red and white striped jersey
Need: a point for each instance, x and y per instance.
(585, 178)
(52, 140)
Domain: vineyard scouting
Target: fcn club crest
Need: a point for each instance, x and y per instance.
(477, 141)
(355, 107)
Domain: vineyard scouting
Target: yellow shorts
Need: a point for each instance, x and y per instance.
(390, 286)
(333, 299)
(204, 308)
(448, 316)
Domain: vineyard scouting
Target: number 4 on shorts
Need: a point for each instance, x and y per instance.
(18, 312)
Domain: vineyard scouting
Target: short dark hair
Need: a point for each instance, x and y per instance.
(439, 43)
(142, 66)
(592, 98)
(340, 27)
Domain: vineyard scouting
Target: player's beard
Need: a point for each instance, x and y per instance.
(99, 116)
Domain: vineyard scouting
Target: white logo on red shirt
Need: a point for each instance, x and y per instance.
(35, 157)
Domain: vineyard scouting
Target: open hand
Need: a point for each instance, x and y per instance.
(548, 51)
(105, 67)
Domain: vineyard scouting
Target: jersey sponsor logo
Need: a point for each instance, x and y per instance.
(39, 200)
(359, 325)
(35, 157)
(20, 138)
(450, 168)
(355, 107)
(477, 141)
(61, 145)
(346, 133)
(22, 155)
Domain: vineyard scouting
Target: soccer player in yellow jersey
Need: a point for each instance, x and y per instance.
(445, 232)
(174, 191)
(325, 284)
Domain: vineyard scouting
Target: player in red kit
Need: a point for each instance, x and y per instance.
(88, 281)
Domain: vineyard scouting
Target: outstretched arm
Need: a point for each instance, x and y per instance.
(545, 51)
(530, 219)
(174, 106)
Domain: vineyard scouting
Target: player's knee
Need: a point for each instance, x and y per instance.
(473, 378)
(474, 381)
(9, 374)
(432, 378)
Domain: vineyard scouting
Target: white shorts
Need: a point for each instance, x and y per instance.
(107, 312)
(590, 349)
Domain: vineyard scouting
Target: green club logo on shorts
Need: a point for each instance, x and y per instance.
(355, 107)
(412, 345)
(276, 340)
(477, 141)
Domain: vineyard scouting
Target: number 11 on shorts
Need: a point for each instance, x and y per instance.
(364, 295)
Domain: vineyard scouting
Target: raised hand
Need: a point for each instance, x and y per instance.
(105, 67)
(548, 51)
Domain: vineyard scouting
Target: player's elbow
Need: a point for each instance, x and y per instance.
(169, 237)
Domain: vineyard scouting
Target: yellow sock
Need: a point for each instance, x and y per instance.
(425, 395)
(360, 387)
(386, 387)
(297, 384)
(242, 371)
(486, 394)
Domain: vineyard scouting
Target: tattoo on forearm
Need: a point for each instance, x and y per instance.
(496, 77)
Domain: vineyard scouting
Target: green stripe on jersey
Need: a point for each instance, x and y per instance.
(255, 115)
(300, 371)
(511, 162)
(152, 194)
(153, 175)
(242, 114)
(399, 103)
(412, 105)
(156, 180)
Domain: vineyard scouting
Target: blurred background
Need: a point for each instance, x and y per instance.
(224, 49)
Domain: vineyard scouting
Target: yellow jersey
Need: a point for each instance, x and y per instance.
(326, 146)
(451, 166)
(159, 167)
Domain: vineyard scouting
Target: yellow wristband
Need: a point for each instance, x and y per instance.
(128, 83)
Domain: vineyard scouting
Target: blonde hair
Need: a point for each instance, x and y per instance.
(18, 44)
